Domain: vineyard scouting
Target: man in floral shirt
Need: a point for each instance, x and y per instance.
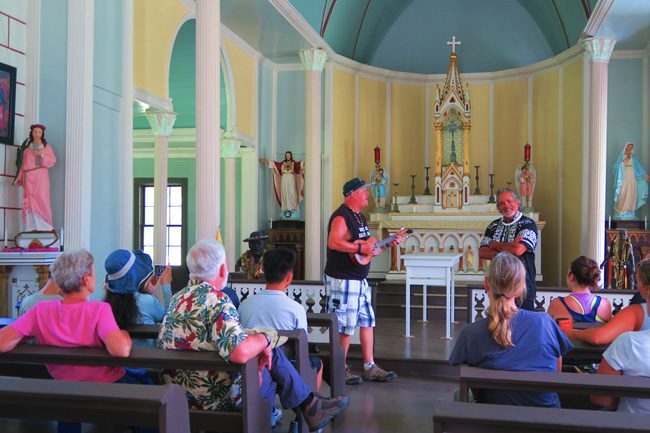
(202, 318)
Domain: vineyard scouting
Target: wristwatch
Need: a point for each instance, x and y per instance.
(268, 339)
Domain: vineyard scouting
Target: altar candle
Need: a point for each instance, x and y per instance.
(645, 223)
(5, 243)
(609, 225)
(61, 239)
(527, 152)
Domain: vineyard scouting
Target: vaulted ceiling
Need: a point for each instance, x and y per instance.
(411, 35)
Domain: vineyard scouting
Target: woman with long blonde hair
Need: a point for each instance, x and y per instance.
(510, 338)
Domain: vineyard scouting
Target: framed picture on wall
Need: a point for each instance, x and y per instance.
(7, 103)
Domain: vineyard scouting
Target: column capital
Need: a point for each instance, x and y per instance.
(161, 122)
(313, 59)
(600, 49)
(230, 147)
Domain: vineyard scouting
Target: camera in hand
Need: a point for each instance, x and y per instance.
(158, 270)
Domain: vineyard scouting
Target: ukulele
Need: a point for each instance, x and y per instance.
(364, 259)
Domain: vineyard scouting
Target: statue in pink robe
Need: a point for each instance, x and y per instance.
(35, 157)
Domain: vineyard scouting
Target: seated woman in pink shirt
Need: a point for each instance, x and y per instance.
(73, 322)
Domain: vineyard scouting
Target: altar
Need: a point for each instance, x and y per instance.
(447, 218)
(437, 230)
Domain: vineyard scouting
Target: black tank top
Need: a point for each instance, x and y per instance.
(339, 264)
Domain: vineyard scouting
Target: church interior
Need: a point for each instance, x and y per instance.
(174, 121)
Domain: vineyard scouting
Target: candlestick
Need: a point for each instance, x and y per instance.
(477, 190)
(609, 222)
(427, 191)
(491, 199)
(395, 206)
(5, 243)
(413, 200)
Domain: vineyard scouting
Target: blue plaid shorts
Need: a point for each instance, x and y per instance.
(351, 300)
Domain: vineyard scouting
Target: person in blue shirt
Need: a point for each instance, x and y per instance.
(272, 308)
(511, 338)
(135, 295)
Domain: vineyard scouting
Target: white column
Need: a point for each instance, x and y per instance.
(230, 152)
(33, 63)
(249, 202)
(79, 124)
(161, 123)
(126, 130)
(600, 51)
(313, 60)
(208, 169)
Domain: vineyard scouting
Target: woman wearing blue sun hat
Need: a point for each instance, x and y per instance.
(131, 288)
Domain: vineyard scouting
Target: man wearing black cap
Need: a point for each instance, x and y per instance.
(349, 295)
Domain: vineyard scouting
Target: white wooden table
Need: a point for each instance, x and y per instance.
(431, 270)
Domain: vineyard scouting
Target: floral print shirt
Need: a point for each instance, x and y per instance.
(202, 318)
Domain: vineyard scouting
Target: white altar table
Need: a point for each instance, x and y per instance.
(431, 270)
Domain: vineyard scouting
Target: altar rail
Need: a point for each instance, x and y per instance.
(478, 300)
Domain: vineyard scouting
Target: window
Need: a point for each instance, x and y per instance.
(176, 217)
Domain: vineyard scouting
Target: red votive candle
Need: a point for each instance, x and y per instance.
(527, 152)
(377, 155)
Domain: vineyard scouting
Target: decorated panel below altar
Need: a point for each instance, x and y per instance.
(441, 230)
(21, 274)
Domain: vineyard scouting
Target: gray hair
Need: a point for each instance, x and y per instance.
(70, 267)
(205, 258)
(514, 194)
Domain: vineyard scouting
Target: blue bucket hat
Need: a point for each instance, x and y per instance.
(126, 270)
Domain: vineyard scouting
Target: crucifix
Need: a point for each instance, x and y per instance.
(453, 44)
(452, 157)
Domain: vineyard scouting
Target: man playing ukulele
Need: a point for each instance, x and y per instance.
(349, 295)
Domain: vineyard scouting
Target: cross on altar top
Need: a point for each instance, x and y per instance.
(453, 44)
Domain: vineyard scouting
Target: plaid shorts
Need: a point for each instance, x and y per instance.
(351, 300)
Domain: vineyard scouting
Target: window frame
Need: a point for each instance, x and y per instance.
(138, 215)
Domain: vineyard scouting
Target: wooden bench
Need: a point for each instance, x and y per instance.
(565, 383)
(460, 417)
(333, 363)
(255, 414)
(164, 407)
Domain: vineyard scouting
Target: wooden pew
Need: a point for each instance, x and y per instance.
(255, 414)
(460, 417)
(334, 362)
(164, 407)
(564, 383)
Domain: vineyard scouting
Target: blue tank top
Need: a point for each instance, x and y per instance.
(591, 316)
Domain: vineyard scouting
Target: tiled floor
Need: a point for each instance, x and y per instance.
(404, 405)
